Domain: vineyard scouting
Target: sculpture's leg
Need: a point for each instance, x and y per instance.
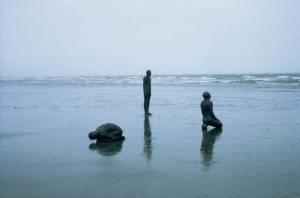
(112, 135)
(215, 123)
(146, 104)
(204, 126)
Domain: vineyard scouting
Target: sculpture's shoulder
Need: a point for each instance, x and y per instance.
(112, 126)
(146, 80)
(206, 103)
(202, 103)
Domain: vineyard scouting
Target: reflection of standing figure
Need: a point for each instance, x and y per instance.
(147, 139)
(147, 91)
(209, 117)
(207, 146)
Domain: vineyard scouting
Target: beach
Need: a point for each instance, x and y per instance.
(45, 150)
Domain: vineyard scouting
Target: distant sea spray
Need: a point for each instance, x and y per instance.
(157, 80)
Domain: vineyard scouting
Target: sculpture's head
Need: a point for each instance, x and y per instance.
(206, 95)
(148, 72)
(92, 135)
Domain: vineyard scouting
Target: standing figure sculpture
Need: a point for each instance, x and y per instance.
(147, 92)
(209, 117)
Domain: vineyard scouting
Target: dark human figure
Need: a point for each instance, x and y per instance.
(209, 117)
(107, 132)
(147, 92)
(107, 148)
(208, 140)
(147, 139)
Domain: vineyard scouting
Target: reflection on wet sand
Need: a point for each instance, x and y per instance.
(147, 139)
(207, 146)
(12, 135)
(107, 148)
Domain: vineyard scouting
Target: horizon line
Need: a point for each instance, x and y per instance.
(183, 74)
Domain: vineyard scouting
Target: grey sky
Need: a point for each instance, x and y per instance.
(97, 37)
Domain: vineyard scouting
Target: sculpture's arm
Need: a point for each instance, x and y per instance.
(144, 84)
(147, 85)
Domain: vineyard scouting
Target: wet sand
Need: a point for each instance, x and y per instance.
(45, 151)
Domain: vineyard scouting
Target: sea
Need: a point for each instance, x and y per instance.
(45, 150)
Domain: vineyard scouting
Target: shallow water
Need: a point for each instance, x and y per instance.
(45, 151)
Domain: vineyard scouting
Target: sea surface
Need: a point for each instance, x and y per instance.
(45, 150)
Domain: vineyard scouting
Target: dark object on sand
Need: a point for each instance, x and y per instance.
(107, 148)
(107, 132)
(147, 91)
(209, 118)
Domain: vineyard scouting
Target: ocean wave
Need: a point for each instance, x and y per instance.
(134, 80)
(282, 77)
(247, 76)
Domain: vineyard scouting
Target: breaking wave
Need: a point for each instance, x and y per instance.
(135, 80)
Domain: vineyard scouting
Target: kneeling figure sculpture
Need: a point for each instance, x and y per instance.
(209, 117)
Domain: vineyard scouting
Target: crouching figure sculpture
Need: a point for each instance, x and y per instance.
(107, 132)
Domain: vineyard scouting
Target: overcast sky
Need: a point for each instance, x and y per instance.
(102, 37)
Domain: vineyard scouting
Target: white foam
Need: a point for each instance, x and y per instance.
(282, 77)
(248, 77)
(296, 77)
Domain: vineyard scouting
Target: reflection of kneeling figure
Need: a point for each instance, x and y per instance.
(107, 132)
(207, 146)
